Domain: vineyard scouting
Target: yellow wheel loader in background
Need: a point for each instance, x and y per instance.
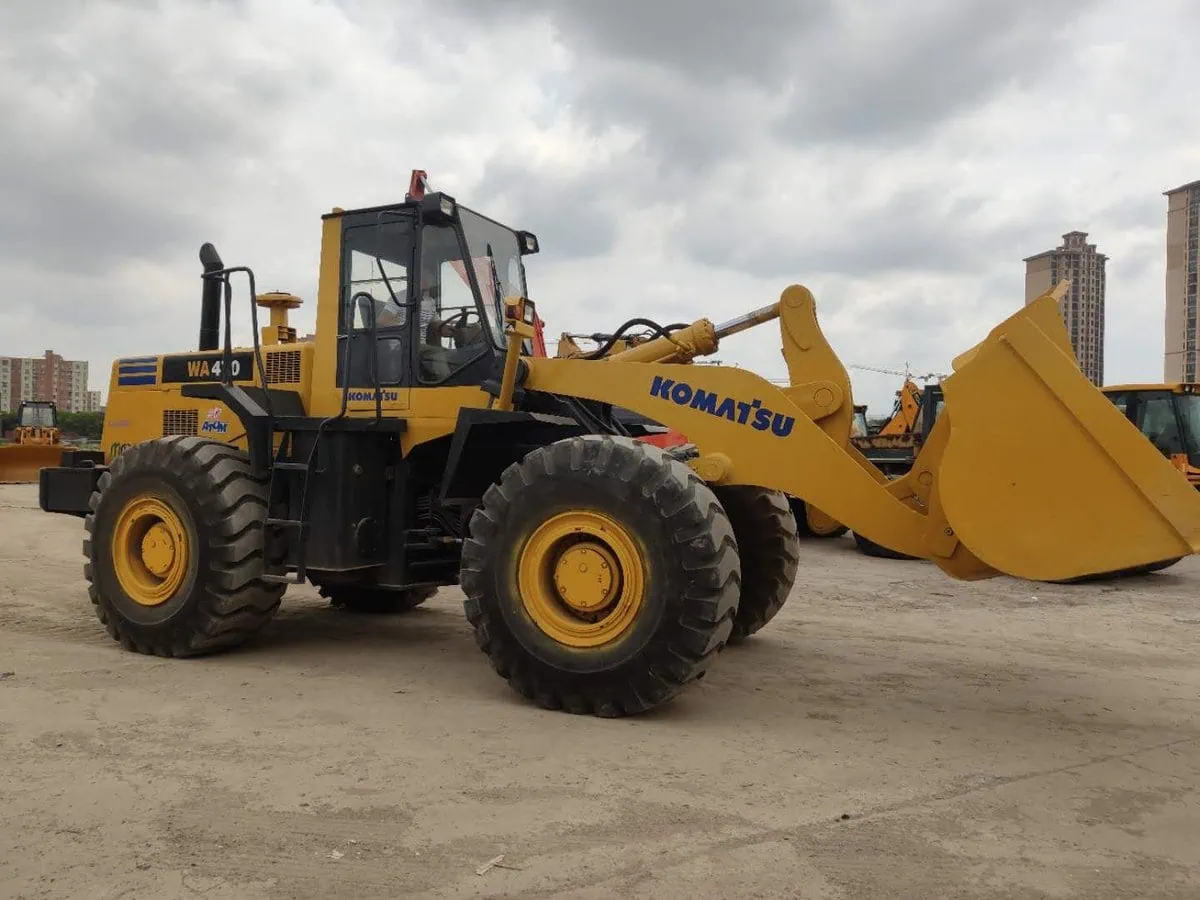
(417, 442)
(1168, 414)
(36, 443)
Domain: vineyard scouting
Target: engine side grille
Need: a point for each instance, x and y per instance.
(282, 367)
(180, 421)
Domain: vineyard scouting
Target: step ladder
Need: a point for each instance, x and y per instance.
(299, 526)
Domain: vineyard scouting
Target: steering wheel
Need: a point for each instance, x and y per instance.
(462, 314)
(456, 329)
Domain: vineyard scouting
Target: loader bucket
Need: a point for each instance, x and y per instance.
(19, 463)
(1042, 477)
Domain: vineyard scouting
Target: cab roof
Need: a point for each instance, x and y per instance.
(1178, 387)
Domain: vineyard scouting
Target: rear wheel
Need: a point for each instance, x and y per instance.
(601, 576)
(175, 548)
(374, 600)
(868, 547)
(769, 549)
(805, 529)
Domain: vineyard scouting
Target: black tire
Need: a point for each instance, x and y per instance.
(868, 547)
(372, 600)
(222, 599)
(688, 560)
(803, 529)
(1131, 572)
(769, 549)
(1158, 566)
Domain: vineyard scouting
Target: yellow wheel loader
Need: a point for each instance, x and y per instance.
(416, 441)
(36, 443)
(1168, 414)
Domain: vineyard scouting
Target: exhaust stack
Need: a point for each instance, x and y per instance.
(210, 298)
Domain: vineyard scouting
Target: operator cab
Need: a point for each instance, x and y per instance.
(37, 414)
(422, 290)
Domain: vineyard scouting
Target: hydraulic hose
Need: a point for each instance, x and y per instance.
(659, 331)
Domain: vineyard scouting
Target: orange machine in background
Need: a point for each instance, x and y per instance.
(36, 442)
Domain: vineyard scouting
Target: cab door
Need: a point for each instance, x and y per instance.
(375, 321)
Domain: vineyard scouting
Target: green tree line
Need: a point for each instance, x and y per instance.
(86, 425)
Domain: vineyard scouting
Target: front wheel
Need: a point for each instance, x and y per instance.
(1160, 566)
(601, 576)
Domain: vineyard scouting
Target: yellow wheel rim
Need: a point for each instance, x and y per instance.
(581, 580)
(150, 551)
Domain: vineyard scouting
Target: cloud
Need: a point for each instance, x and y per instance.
(677, 159)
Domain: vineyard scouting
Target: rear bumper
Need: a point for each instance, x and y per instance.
(68, 488)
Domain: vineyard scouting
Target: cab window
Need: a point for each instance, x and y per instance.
(1158, 422)
(453, 343)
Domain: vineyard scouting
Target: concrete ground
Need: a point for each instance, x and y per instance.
(892, 734)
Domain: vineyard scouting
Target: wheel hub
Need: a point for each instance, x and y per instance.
(585, 577)
(158, 550)
(581, 579)
(150, 550)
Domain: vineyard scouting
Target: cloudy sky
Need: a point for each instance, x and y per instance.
(677, 158)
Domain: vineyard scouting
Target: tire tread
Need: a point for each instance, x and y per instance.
(768, 538)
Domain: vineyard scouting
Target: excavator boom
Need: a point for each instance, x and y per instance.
(1074, 491)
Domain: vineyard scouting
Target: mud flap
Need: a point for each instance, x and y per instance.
(1042, 477)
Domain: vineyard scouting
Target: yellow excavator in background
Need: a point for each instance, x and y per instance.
(36, 443)
(904, 415)
(893, 448)
(385, 457)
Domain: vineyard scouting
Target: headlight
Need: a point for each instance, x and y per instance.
(446, 206)
(527, 242)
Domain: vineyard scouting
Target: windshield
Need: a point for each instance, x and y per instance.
(496, 258)
(40, 416)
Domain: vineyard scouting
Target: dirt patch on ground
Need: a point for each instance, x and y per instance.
(892, 734)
